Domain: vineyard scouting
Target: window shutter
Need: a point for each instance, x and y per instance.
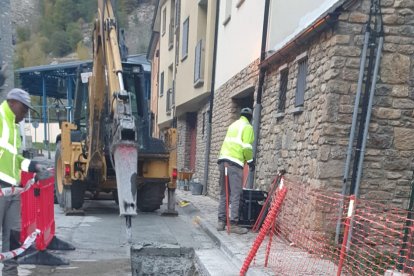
(184, 52)
(284, 75)
(301, 82)
(197, 62)
(162, 85)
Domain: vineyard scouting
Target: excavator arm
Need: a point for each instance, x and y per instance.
(111, 122)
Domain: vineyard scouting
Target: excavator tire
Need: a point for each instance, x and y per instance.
(69, 196)
(150, 196)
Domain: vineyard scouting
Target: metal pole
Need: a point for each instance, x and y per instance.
(258, 105)
(69, 96)
(368, 118)
(256, 128)
(210, 112)
(48, 133)
(353, 126)
(44, 104)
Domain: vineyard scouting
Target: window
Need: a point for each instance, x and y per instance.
(227, 12)
(184, 52)
(177, 13)
(164, 20)
(204, 124)
(162, 84)
(171, 26)
(284, 74)
(169, 103)
(198, 66)
(301, 81)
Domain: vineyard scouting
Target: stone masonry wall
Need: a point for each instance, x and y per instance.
(225, 112)
(202, 120)
(6, 45)
(312, 145)
(183, 158)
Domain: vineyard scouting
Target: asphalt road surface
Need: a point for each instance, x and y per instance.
(100, 239)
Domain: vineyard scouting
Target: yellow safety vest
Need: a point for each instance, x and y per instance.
(11, 162)
(237, 146)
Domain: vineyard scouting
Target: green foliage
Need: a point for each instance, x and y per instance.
(60, 43)
(23, 33)
(59, 29)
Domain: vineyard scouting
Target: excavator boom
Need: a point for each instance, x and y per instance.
(106, 87)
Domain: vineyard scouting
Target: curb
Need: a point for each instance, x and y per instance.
(224, 246)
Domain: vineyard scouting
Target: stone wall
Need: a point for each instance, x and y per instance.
(183, 159)
(6, 46)
(225, 112)
(312, 145)
(202, 120)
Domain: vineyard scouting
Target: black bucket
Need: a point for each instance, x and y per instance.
(196, 188)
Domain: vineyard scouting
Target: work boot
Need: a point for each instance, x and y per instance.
(234, 228)
(220, 225)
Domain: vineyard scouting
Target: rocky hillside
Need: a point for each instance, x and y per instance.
(138, 30)
(24, 12)
(138, 33)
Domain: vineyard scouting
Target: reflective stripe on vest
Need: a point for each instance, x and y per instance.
(5, 135)
(7, 178)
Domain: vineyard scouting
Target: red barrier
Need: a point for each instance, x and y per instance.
(38, 210)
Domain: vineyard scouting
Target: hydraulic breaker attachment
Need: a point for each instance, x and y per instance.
(125, 156)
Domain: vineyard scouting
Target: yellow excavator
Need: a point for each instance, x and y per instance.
(107, 146)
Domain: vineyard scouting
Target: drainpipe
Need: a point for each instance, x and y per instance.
(365, 133)
(210, 112)
(258, 106)
(353, 127)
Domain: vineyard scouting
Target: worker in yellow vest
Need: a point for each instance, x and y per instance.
(13, 111)
(236, 149)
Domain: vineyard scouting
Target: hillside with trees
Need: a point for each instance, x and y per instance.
(64, 29)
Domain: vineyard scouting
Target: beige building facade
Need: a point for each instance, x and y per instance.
(185, 57)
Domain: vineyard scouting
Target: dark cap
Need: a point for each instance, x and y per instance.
(246, 111)
(19, 95)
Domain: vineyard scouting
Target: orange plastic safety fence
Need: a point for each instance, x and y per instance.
(303, 240)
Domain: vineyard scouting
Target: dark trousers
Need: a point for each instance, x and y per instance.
(235, 174)
(10, 220)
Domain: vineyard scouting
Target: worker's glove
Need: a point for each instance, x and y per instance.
(252, 165)
(41, 172)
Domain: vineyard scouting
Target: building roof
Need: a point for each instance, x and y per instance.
(55, 76)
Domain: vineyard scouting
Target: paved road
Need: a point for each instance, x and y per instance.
(100, 239)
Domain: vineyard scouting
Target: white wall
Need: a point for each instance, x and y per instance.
(37, 135)
(239, 41)
(289, 18)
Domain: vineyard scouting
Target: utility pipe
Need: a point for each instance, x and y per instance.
(210, 112)
(367, 120)
(258, 106)
(353, 127)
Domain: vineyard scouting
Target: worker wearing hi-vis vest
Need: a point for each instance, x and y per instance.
(235, 151)
(12, 111)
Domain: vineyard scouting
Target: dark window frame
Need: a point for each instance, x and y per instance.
(186, 34)
(301, 81)
(164, 21)
(283, 84)
(161, 84)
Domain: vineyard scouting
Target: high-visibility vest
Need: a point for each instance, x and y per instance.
(237, 146)
(11, 162)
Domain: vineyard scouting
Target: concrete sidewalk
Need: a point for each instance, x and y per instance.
(203, 211)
